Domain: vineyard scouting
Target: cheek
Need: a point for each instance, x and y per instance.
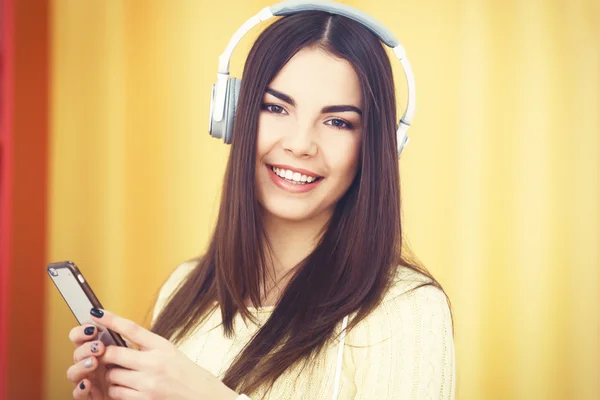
(342, 156)
(266, 136)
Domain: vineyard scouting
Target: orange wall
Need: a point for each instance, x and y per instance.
(24, 197)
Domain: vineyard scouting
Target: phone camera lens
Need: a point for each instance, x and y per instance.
(53, 272)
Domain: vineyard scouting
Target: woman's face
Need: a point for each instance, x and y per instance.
(309, 132)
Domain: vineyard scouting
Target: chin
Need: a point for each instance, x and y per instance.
(291, 213)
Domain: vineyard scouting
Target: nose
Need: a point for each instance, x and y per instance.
(300, 141)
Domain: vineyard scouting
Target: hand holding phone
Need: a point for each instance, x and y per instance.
(90, 339)
(80, 298)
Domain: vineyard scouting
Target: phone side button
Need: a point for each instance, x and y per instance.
(80, 278)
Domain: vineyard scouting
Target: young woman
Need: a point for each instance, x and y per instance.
(305, 291)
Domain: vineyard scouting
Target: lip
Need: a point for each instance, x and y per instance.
(291, 187)
(300, 170)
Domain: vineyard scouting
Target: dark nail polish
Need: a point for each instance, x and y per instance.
(81, 386)
(89, 330)
(96, 313)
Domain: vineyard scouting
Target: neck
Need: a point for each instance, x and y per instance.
(291, 242)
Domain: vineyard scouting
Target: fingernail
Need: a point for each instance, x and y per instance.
(81, 385)
(94, 348)
(88, 363)
(96, 313)
(89, 330)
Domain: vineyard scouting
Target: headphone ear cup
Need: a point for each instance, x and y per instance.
(212, 125)
(224, 129)
(402, 136)
(233, 92)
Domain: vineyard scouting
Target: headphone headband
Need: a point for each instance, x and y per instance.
(293, 7)
(289, 7)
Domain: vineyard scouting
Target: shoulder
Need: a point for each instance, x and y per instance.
(414, 291)
(404, 349)
(176, 277)
(180, 273)
(406, 280)
(411, 307)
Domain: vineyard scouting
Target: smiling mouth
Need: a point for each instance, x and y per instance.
(293, 177)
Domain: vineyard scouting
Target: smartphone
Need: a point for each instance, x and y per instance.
(80, 298)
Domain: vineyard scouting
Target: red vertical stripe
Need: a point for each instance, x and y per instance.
(23, 194)
(6, 112)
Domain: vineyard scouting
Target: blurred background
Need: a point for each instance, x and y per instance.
(105, 160)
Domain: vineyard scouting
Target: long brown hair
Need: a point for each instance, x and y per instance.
(356, 258)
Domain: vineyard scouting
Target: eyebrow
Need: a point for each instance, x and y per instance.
(324, 110)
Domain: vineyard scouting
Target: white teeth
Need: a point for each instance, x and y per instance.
(294, 177)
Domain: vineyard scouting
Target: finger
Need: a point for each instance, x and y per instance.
(122, 393)
(84, 333)
(82, 390)
(135, 333)
(95, 348)
(124, 377)
(77, 372)
(124, 357)
(130, 344)
(96, 392)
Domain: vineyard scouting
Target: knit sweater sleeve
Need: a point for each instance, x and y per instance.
(405, 349)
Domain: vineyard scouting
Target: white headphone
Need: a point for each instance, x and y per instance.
(225, 92)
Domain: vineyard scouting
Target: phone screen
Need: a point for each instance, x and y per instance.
(80, 298)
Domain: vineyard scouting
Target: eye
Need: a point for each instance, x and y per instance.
(339, 123)
(273, 109)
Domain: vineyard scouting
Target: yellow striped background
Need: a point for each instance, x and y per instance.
(500, 180)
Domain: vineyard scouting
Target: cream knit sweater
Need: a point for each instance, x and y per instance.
(403, 350)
